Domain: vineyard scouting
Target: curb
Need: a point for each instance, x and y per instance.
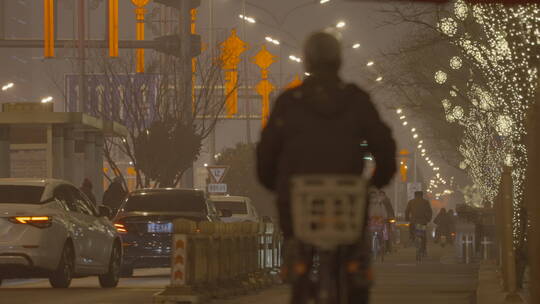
(188, 295)
(489, 290)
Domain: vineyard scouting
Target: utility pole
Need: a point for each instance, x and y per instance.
(186, 68)
(415, 169)
(82, 60)
(2, 19)
(247, 105)
(211, 46)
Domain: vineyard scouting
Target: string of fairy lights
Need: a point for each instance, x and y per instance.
(502, 54)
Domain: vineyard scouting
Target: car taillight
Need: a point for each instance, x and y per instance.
(36, 221)
(120, 228)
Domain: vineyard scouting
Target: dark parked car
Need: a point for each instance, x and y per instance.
(145, 222)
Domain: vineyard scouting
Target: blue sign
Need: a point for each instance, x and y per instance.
(121, 98)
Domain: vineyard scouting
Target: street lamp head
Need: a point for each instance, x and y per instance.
(324, 1)
(247, 18)
(370, 63)
(46, 99)
(7, 86)
(295, 58)
(356, 46)
(272, 40)
(379, 79)
(341, 24)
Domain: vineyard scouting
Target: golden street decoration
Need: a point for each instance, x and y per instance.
(264, 59)
(139, 12)
(231, 49)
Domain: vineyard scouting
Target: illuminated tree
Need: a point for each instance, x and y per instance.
(492, 74)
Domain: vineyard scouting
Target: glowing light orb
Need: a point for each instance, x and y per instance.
(458, 113)
(505, 125)
(448, 26)
(456, 63)
(441, 77)
(461, 9)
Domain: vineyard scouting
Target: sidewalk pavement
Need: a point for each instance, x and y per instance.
(440, 279)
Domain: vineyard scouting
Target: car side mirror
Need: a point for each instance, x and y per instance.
(104, 211)
(225, 213)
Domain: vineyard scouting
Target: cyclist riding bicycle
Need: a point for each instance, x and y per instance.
(318, 128)
(378, 224)
(418, 212)
(391, 220)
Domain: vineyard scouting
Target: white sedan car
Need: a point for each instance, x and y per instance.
(240, 208)
(48, 228)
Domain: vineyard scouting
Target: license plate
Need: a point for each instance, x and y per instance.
(160, 227)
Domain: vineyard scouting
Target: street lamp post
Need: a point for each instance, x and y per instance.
(246, 82)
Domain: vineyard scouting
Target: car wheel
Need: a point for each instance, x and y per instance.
(126, 271)
(61, 277)
(111, 278)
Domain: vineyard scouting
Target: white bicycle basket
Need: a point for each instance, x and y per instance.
(328, 210)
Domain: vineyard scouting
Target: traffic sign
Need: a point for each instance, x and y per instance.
(217, 173)
(217, 188)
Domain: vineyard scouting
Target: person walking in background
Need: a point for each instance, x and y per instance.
(115, 195)
(452, 222)
(385, 200)
(443, 222)
(86, 188)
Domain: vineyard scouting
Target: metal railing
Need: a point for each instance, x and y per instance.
(212, 260)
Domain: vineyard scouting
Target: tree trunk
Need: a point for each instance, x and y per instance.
(531, 195)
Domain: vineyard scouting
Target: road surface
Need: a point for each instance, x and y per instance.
(136, 290)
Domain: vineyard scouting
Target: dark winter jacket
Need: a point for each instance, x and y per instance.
(388, 205)
(86, 188)
(443, 220)
(318, 128)
(418, 211)
(114, 196)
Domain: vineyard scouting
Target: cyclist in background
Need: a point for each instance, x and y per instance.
(391, 219)
(418, 212)
(378, 220)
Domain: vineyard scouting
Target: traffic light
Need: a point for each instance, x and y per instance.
(113, 28)
(170, 45)
(48, 28)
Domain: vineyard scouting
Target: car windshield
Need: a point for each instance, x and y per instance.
(20, 194)
(173, 201)
(234, 207)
